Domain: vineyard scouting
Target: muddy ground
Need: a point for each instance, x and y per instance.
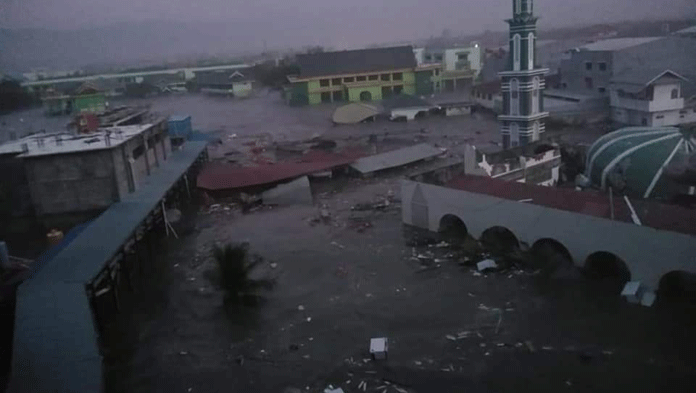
(449, 329)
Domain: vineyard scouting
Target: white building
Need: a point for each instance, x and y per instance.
(651, 98)
(460, 65)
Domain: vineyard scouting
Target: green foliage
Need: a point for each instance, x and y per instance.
(13, 96)
(235, 269)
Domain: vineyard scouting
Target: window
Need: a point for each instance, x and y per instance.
(463, 56)
(373, 77)
(514, 98)
(564, 85)
(138, 151)
(326, 97)
(428, 58)
(324, 82)
(516, 52)
(530, 51)
(588, 83)
(336, 82)
(675, 94)
(386, 92)
(490, 96)
(644, 122)
(660, 117)
(602, 66)
(337, 96)
(385, 77)
(602, 90)
(398, 89)
(514, 134)
(588, 66)
(438, 57)
(348, 80)
(436, 72)
(361, 78)
(397, 76)
(518, 6)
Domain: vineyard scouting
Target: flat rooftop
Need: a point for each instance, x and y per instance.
(44, 144)
(618, 43)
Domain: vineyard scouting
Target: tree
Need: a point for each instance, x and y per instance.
(13, 96)
(235, 269)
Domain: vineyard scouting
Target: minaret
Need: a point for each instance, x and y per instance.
(522, 83)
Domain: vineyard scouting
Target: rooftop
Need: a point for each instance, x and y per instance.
(644, 76)
(618, 43)
(356, 61)
(44, 144)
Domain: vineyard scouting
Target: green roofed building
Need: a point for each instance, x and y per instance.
(358, 75)
(633, 160)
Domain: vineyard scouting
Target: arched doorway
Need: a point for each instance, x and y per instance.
(499, 240)
(452, 227)
(549, 255)
(365, 96)
(608, 269)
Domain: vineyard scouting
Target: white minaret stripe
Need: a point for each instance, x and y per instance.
(621, 156)
(662, 168)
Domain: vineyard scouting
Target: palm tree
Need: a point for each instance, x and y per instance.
(235, 269)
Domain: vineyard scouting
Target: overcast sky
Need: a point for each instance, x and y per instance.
(333, 22)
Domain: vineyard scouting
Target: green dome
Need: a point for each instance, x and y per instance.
(633, 159)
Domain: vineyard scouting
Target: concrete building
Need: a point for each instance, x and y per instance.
(86, 98)
(522, 84)
(359, 75)
(459, 66)
(533, 164)
(652, 98)
(237, 83)
(68, 174)
(589, 68)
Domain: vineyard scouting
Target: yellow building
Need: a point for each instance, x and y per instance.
(356, 75)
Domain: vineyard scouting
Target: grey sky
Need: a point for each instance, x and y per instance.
(337, 23)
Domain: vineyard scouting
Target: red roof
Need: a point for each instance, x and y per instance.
(592, 203)
(222, 176)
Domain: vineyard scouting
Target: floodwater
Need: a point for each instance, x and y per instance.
(449, 330)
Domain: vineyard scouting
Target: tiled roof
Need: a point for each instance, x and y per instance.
(356, 61)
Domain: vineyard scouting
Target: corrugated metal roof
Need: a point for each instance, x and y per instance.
(644, 76)
(221, 176)
(396, 158)
(356, 61)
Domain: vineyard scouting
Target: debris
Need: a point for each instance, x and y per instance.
(183, 353)
(330, 389)
(482, 345)
(309, 319)
(338, 245)
(295, 192)
(294, 347)
(325, 214)
(311, 339)
(379, 348)
(569, 383)
(547, 348)
(451, 337)
(274, 265)
(442, 244)
(633, 292)
(530, 346)
(486, 264)
(608, 353)
(300, 307)
(648, 298)
(418, 363)
(305, 356)
(477, 274)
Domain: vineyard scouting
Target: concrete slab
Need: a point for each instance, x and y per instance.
(295, 192)
(396, 158)
(633, 292)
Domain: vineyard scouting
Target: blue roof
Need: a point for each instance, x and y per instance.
(55, 343)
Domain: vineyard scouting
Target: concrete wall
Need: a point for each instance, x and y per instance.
(71, 182)
(574, 71)
(648, 253)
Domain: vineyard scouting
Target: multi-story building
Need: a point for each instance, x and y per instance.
(69, 174)
(359, 75)
(522, 83)
(460, 66)
(652, 98)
